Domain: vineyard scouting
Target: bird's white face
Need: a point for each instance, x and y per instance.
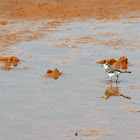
(106, 66)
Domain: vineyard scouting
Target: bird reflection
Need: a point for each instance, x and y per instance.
(113, 91)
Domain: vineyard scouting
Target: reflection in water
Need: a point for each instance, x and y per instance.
(113, 91)
(10, 63)
(7, 65)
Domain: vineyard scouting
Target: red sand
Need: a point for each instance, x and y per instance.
(100, 9)
(33, 10)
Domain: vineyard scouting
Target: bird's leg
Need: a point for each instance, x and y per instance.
(111, 85)
(111, 80)
(117, 79)
(116, 84)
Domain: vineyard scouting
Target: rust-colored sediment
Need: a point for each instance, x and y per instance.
(3, 22)
(120, 64)
(34, 10)
(132, 110)
(8, 62)
(101, 62)
(86, 133)
(8, 68)
(53, 74)
(13, 59)
(94, 133)
(100, 9)
(111, 61)
(10, 36)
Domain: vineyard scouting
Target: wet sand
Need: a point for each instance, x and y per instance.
(82, 103)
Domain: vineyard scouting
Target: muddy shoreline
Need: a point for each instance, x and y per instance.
(62, 9)
(26, 20)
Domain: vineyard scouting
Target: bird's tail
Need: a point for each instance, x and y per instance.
(125, 71)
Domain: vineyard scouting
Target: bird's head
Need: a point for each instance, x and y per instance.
(106, 66)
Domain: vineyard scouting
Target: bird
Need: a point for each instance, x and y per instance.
(113, 72)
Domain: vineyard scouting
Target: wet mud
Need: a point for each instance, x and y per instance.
(14, 13)
(7, 62)
(118, 64)
(10, 63)
(55, 74)
(69, 9)
(86, 134)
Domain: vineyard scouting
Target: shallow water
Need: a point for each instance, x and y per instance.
(34, 107)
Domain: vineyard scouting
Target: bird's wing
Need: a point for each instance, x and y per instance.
(111, 70)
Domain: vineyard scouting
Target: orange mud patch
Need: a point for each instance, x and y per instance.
(54, 23)
(107, 34)
(13, 33)
(7, 62)
(101, 62)
(111, 61)
(11, 59)
(123, 59)
(7, 68)
(28, 10)
(86, 133)
(133, 111)
(91, 133)
(94, 133)
(120, 64)
(3, 22)
(7, 38)
(53, 74)
(100, 9)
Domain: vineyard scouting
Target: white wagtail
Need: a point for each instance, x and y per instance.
(113, 72)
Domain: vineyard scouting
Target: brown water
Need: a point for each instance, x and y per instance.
(34, 107)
